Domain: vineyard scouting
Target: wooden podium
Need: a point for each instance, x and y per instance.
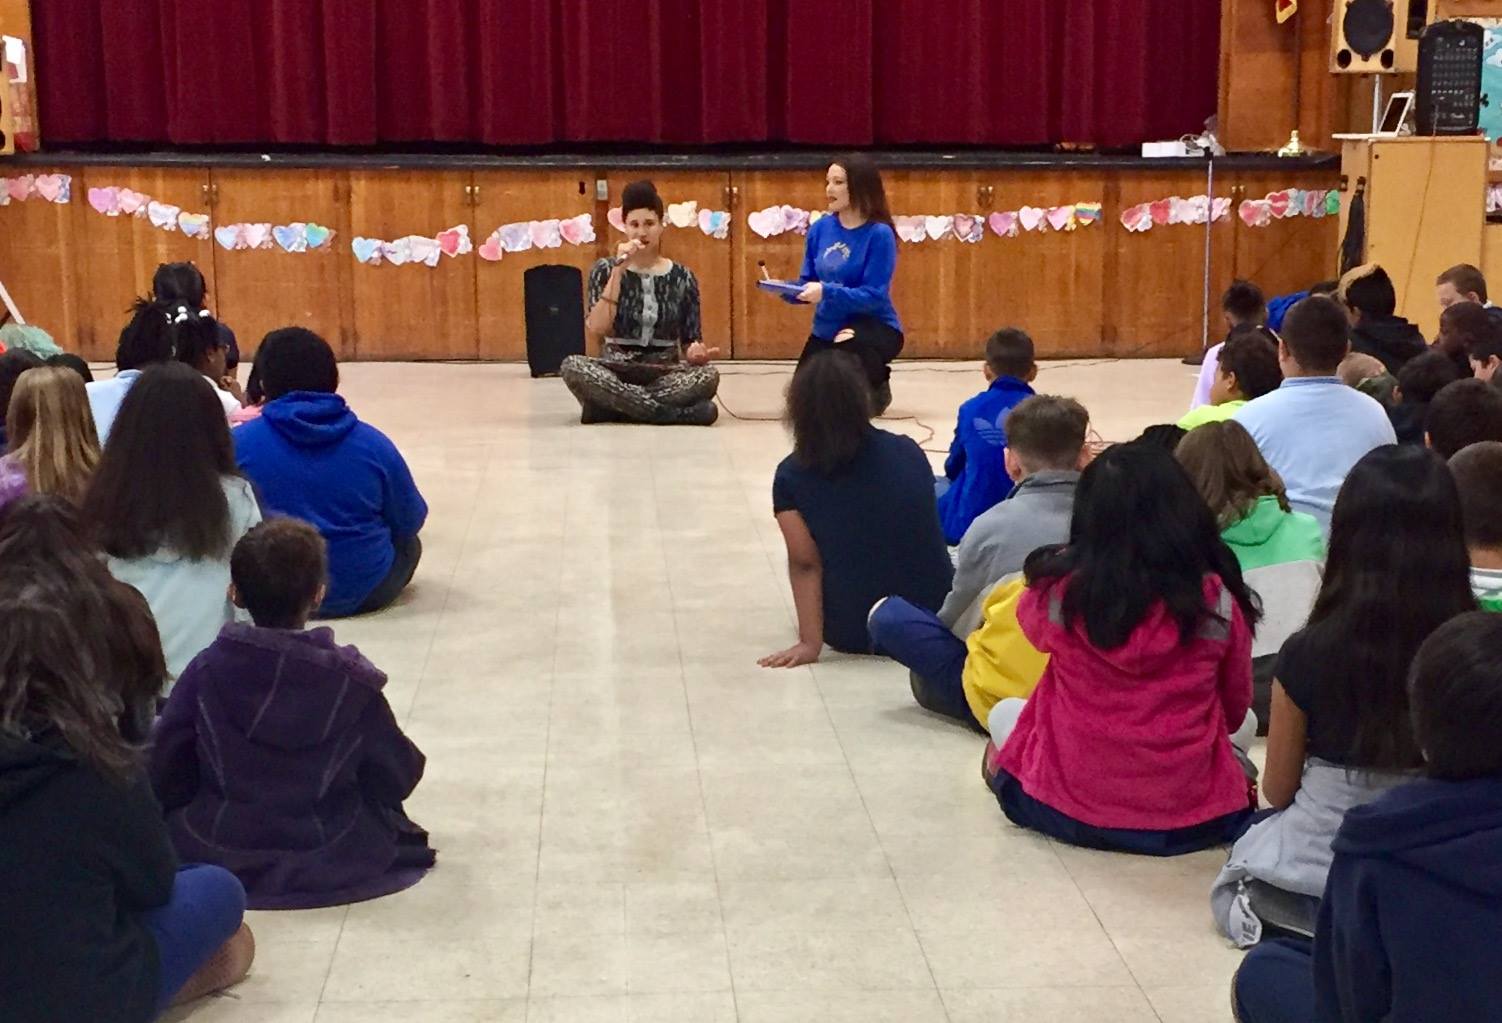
(1425, 204)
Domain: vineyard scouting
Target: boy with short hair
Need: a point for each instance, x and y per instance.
(1418, 383)
(1485, 356)
(975, 476)
(277, 756)
(1243, 304)
(1478, 476)
(1376, 329)
(1463, 413)
(1247, 369)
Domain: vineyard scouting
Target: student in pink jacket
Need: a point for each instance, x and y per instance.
(1126, 742)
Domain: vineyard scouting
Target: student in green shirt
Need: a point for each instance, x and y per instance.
(1248, 369)
(1478, 476)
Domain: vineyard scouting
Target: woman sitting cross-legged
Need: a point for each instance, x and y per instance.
(1126, 742)
(644, 315)
(857, 511)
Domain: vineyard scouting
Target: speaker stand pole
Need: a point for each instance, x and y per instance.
(1377, 110)
(1199, 359)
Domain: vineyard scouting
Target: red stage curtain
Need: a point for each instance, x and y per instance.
(539, 72)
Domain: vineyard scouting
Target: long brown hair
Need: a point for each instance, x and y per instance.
(52, 432)
(867, 193)
(1228, 470)
(160, 483)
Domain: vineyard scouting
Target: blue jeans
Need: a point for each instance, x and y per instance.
(204, 911)
(1275, 984)
(917, 640)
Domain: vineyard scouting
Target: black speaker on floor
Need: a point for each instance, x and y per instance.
(554, 299)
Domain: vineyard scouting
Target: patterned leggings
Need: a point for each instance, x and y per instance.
(663, 397)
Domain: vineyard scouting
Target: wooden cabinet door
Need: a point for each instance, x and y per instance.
(1154, 280)
(40, 256)
(762, 326)
(413, 311)
(505, 197)
(1289, 254)
(709, 258)
(117, 256)
(258, 290)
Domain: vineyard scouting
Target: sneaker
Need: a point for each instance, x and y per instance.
(705, 413)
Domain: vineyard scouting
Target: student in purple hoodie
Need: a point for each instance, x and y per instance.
(277, 756)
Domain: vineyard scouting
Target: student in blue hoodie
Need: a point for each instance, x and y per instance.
(312, 459)
(975, 473)
(1408, 926)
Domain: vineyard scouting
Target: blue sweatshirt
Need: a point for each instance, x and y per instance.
(1412, 910)
(976, 466)
(312, 459)
(856, 270)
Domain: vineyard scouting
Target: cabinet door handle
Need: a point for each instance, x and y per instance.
(732, 193)
(474, 195)
(204, 189)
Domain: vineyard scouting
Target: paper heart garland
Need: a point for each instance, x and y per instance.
(911, 229)
(683, 214)
(367, 250)
(318, 235)
(491, 248)
(291, 237)
(578, 230)
(20, 188)
(132, 203)
(1220, 207)
(617, 219)
(56, 188)
(1255, 212)
(1137, 218)
(546, 234)
(1332, 203)
(938, 227)
(1003, 225)
(1061, 218)
(228, 237)
(767, 222)
(1161, 210)
(194, 225)
(424, 250)
(162, 215)
(1312, 204)
(515, 237)
(455, 241)
(1031, 218)
(105, 200)
(969, 229)
(257, 236)
(1278, 204)
(715, 223)
(795, 220)
(1087, 212)
(397, 253)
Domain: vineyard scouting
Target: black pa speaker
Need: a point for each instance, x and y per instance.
(1447, 96)
(554, 298)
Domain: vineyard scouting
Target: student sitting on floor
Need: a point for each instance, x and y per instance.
(176, 284)
(312, 458)
(963, 678)
(198, 343)
(1340, 734)
(856, 509)
(1478, 476)
(1408, 927)
(1126, 742)
(1461, 326)
(1247, 368)
(1242, 305)
(1418, 382)
(975, 473)
(100, 921)
(167, 505)
(277, 756)
(53, 449)
(1280, 550)
(12, 366)
(1463, 413)
(1371, 303)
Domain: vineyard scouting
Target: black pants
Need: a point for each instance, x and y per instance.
(408, 554)
(874, 343)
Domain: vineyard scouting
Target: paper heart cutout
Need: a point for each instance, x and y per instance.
(1160, 210)
(367, 250)
(257, 236)
(1220, 207)
(162, 215)
(291, 237)
(1184, 211)
(194, 225)
(491, 248)
(455, 241)
(1313, 203)
(56, 188)
(715, 223)
(795, 220)
(1278, 203)
(133, 203)
(683, 214)
(616, 218)
(397, 253)
(1003, 224)
(1255, 212)
(546, 234)
(578, 230)
(20, 188)
(318, 235)
(968, 228)
(1138, 217)
(911, 229)
(515, 237)
(1332, 203)
(938, 227)
(227, 236)
(424, 250)
(1030, 217)
(105, 200)
(767, 222)
(1087, 212)
(1061, 218)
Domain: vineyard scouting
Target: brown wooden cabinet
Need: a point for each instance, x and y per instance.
(765, 327)
(1285, 255)
(39, 250)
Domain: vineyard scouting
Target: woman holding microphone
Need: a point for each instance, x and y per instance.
(848, 261)
(644, 315)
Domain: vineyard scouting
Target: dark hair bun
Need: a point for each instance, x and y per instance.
(641, 195)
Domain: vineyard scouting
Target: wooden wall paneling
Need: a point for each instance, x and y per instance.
(413, 311)
(1155, 291)
(511, 196)
(944, 290)
(39, 251)
(1290, 254)
(709, 258)
(117, 256)
(258, 290)
(763, 326)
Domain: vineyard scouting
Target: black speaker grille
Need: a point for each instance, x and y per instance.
(1368, 26)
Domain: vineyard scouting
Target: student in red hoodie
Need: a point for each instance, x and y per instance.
(1126, 742)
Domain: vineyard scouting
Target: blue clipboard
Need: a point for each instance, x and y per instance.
(782, 289)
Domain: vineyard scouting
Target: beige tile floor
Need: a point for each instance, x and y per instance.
(636, 823)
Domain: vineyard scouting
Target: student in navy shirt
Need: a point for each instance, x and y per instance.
(848, 262)
(975, 473)
(856, 508)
